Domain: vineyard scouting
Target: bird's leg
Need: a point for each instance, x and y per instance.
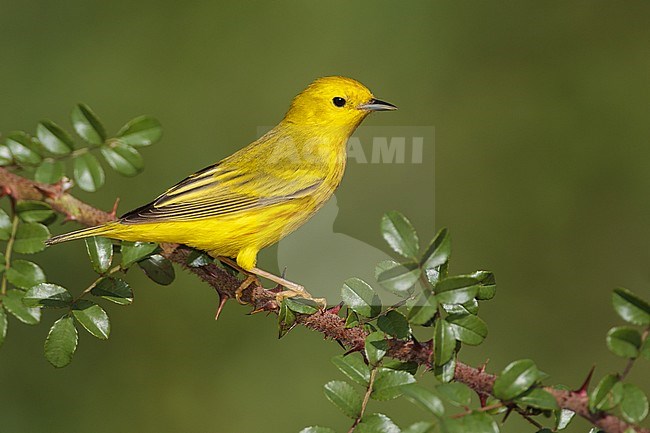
(250, 279)
(293, 289)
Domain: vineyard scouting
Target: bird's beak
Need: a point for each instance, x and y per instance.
(377, 105)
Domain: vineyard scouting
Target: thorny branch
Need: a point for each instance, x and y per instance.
(326, 322)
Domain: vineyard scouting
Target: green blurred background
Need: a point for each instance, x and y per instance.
(542, 157)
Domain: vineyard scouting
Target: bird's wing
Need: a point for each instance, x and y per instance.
(221, 190)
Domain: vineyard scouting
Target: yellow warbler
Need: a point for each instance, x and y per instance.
(261, 193)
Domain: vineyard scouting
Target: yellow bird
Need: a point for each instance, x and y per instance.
(261, 193)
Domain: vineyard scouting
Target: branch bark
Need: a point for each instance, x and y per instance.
(326, 322)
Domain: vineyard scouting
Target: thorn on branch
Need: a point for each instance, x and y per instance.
(582, 391)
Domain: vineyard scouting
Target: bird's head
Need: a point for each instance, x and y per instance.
(337, 102)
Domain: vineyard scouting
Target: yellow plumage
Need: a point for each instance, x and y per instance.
(264, 191)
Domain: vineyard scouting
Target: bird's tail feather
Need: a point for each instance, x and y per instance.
(80, 234)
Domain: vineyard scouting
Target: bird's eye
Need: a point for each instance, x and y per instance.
(338, 101)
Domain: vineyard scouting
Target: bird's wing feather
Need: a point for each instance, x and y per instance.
(221, 190)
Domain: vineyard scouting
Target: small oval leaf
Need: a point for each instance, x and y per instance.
(100, 251)
(400, 234)
(115, 290)
(423, 398)
(395, 324)
(135, 251)
(49, 171)
(438, 252)
(468, 328)
(87, 124)
(22, 148)
(30, 238)
(61, 342)
(34, 211)
(343, 396)
(388, 383)
(93, 318)
(360, 297)
(88, 173)
(630, 307)
(160, 269)
(54, 139)
(141, 131)
(515, 379)
(624, 341)
(123, 158)
(47, 295)
(13, 302)
(353, 367)
(25, 274)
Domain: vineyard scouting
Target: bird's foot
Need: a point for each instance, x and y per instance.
(244, 285)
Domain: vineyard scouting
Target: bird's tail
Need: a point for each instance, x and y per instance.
(80, 234)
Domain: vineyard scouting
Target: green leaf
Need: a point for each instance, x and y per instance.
(351, 320)
(607, 394)
(420, 427)
(47, 295)
(563, 418)
(456, 290)
(196, 259)
(25, 274)
(630, 307)
(469, 307)
(13, 302)
(159, 269)
(376, 347)
(3, 325)
(88, 173)
(400, 234)
(3, 263)
(317, 429)
(624, 341)
(445, 373)
(141, 131)
(423, 311)
(438, 251)
(33, 211)
(423, 398)
(399, 278)
(135, 251)
(487, 285)
(123, 158)
(49, 171)
(394, 364)
(455, 393)
(468, 328)
(515, 379)
(5, 226)
(477, 422)
(444, 342)
(538, 398)
(395, 324)
(93, 318)
(114, 289)
(376, 423)
(5, 156)
(61, 342)
(87, 124)
(388, 383)
(360, 297)
(54, 139)
(343, 396)
(22, 148)
(302, 306)
(645, 350)
(30, 238)
(634, 405)
(286, 319)
(100, 251)
(353, 367)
